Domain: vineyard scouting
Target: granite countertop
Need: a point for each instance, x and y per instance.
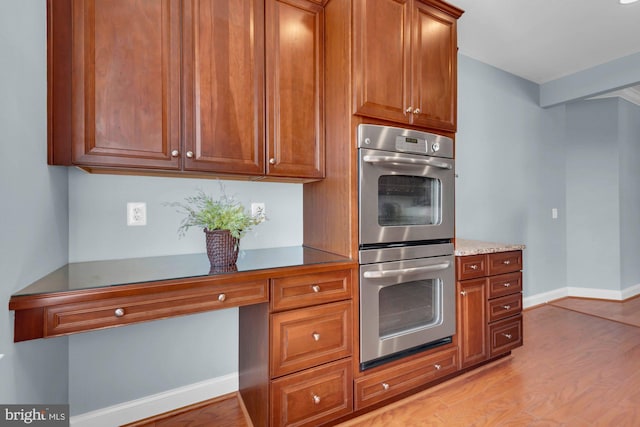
(99, 274)
(465, 247)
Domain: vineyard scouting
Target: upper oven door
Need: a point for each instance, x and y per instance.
(404, 197)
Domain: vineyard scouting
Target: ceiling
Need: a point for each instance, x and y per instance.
(542, 40)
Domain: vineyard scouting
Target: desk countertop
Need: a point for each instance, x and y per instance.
(101, 274)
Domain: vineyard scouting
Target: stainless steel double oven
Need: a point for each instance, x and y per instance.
(406, 228)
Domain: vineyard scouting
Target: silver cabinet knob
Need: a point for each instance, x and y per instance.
(316, 399)
(222, 297)
(316, 288)
(119, 312)
(409, 109)
(175, 153)
(385, 386)
(473, 266)
(506, 285)
(507, 336)
(506, 262)
(316, 336)
(463, 293)
(438, 367)
(190, 154)
(416, 111)
(272, 161)
(506, 307)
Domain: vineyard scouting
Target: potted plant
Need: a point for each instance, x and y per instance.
(224, 222)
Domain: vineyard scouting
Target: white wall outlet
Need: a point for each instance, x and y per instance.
(554, 213)
(136, 213)
(1, 356)
(258, 209)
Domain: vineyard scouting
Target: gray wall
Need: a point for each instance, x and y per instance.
(603, 203)
(114, 366)
(617, 74)
(629, 137)
(510, 165)
(33, 235)
(593, 195)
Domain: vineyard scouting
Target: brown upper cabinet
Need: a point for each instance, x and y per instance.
(405, 62)
(185, 86)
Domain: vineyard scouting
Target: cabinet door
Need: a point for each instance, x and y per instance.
(472, 321)
(295, 81)
(223, 67)
(434, 75)
(381, 45)
(126, 83)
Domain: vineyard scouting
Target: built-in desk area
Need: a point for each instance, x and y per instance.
(93, 295)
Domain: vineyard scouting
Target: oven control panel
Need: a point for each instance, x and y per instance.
(400, 140)
(408, 144)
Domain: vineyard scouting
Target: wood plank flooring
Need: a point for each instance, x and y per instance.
(627, 311)
(574, 369)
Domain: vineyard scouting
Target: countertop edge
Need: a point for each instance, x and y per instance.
(466, 247)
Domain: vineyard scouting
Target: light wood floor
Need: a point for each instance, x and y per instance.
(574, 369)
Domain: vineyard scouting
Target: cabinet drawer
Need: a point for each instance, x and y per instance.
(505, 335)
(313, 397)
(311, 336)
(470, 267)
(503, 307)
(505, 284)
(86, 316)
(505, 262)
(310, 289)
(398, 379)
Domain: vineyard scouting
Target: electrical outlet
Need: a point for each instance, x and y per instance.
(258, 209)
(136, 213)
(554, 213)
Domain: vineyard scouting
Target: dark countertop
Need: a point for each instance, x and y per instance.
(99, 274)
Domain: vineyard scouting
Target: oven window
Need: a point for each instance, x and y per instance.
(409, 306)
(408, 200)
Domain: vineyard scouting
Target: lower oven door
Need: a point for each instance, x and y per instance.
(405, 306)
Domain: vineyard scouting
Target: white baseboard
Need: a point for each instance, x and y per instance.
(631, 291)
(148, 406)
(571, 291)
(544, 297)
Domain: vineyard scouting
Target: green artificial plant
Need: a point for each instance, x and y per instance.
(225, 213)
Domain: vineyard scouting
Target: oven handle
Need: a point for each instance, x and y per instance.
(405, 161)
(395, 273)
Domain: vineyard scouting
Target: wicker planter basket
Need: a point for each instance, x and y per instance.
(222, 248)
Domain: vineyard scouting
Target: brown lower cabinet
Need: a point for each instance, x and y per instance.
(296, 353)
(313, 396)
(390, 382)
(489, 305)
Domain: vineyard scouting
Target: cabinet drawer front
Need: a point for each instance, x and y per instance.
(311, 336)
(503, 307)
(505, 262)
(310, 289)
(382, 385)
(505, 284)
(470, 267)
(505, 335)
(85, 316)
(313, 397)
